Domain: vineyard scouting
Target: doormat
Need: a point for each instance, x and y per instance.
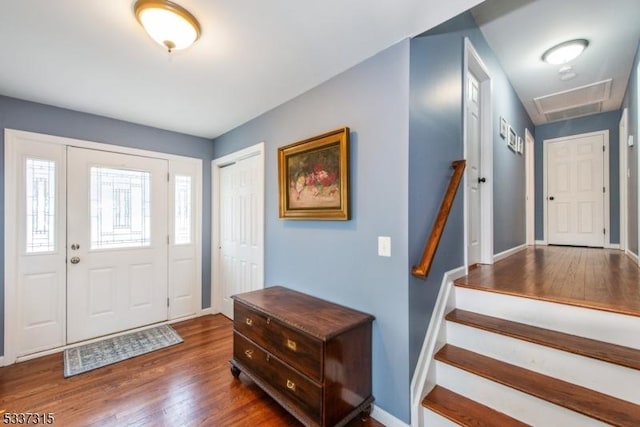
(95, 355)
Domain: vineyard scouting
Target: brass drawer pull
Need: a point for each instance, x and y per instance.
(291, 385)
(268, 320)
(249, 321)
(249, 353)
(292, 345)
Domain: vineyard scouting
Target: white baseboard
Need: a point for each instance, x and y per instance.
(612, 246)
(386, 418)
(541, 243)
(632, 255)
(509, 252)
(205, 311)
(421, 382)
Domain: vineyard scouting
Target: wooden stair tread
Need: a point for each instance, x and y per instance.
(466, 412)
(612, 353)
(594, 404)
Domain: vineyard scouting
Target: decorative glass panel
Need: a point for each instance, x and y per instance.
(41, 205)
(183, 210)
(120, 208)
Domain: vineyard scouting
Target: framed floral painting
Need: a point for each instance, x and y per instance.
(313, 177)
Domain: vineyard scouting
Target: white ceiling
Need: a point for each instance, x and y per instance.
(92, 55)
(519, 31)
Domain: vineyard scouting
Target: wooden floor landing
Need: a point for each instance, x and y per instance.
(188, 384)
(595, 278)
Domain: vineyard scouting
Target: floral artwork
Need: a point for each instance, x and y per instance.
(314, 179)
(313, 176)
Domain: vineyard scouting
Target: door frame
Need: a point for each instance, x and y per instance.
(623, 134)
(605, 170)
(529, 154)
(473, 64)
(176, 163)
(216, 165)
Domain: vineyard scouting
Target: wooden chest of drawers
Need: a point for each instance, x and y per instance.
(312, 356)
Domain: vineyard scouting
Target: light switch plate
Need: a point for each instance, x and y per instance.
(384, 246)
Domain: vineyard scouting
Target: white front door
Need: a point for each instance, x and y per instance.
(116, 242)
(575, 191)
(474, 175)
(241, 239)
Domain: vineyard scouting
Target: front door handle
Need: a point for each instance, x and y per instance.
(75, 260)
(482, 180)
(551, 198)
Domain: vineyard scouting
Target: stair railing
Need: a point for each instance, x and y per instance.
(422, 269)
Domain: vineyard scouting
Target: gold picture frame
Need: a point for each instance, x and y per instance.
(313, 177)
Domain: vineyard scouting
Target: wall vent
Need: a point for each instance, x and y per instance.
(580, 101)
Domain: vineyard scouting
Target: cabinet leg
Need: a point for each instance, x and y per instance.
(235, 371)
(366, 412)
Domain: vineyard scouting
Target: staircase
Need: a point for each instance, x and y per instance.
(514, 361)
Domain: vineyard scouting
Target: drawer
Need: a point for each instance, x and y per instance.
(302, 392)
(293, 347)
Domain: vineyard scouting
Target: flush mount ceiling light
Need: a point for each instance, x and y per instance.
(565, 52)
(167, 23)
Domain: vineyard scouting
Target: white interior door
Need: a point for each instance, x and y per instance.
(474, 174)
(117, 242)
(575, 191)
(241, 238)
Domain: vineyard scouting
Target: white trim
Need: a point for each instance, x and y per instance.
(613, 246)
(530, 203)
(386, 418)
(541, 243)
(207, 311)
(504, 254)
(605, 171)
(623, 166)
(633, 256)
(423, 378)
(216, 164)
(12, 137)
(473, 64)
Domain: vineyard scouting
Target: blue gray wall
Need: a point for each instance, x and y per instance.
(435, 140)
(32, 117)
(631, 102)
(337, 260)
(604, 121)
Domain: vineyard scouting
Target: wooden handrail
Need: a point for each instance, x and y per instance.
(422, 269)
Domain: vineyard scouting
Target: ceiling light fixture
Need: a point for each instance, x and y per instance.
(167, 23)
(565, 52)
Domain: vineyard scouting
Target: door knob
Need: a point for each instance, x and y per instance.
(75, 260)
(482, 180)
(551, 198)
(75, 247)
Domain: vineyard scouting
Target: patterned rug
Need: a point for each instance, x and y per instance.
(101, 353)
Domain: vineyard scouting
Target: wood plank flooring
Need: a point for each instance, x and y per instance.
(188, 384)
(596, 278)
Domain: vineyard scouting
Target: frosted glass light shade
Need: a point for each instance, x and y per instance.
(565, 52)
(167, 23)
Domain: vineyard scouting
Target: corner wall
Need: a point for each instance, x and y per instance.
(337, 260)
(604, 121)
(435, 140)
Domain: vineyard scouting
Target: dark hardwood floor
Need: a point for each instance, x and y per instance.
(188, 384)
(596, 278)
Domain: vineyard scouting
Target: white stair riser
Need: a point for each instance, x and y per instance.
(431, 419)
(595, 324)
(604, 377)
(518, 405)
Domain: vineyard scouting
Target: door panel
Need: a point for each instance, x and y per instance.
(117, 217)
(575, 182)
(241, 240)
(40, 246)
(473, 170)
